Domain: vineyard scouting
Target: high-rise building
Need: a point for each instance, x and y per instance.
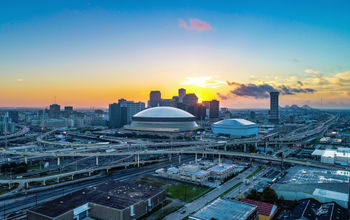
(13, 115)
(274, 116)
(54, 111)
(131, 108)
(68, 109)
(214, 109)
(190, 101)
(155, 99)
(182, 93)
(115, 116)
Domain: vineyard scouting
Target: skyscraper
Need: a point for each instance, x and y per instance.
(155, 99)
(54, 111)
(214, 109)
(115, 115)
(132, 108)
(274, 116)
(182, 93)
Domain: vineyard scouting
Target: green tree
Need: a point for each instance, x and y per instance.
(253, 195)
(269, 195)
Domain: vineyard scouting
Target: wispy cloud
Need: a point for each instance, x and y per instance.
(205, 81)
(311, 71)
(195, 24)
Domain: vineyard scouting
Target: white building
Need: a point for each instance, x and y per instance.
(235, 127)
(333, 156)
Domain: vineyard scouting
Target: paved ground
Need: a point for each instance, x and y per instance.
(210, 196)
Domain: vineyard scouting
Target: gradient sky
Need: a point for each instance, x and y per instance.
(91, 53)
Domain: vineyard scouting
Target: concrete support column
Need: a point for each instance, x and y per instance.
(196, 159)
(256, 145)
(138, 160)
(72, 176)
(245, 147)
(27, 185)
(10, 186)
(44, 183)
(89, 173)
(266, 145)
(96, 160)
(169, 155)
(58, 180)
(225, 147)
(179, 159)
(26, 159)
(58, 161)
(219, 158)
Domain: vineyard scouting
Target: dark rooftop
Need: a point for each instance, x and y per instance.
(312, 209)
(118, 195)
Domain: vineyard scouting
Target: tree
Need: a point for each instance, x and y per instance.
(253, 195)
(269, 195)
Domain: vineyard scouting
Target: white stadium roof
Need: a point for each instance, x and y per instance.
(163, 112)
(235, 122)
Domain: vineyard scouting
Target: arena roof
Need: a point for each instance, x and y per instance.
(235, 122)
(163, 112)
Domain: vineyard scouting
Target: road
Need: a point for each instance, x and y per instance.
(26, 201)
(210, 196)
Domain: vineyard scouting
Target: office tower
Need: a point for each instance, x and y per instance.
(252, 116)
(201, 112)
(54, 111)
(190, 99)
(155, 99)
(182, 93)
(68, 109)
(13, 115)
(273, 113)
(214, 109)
(115, 115)
(131, 109)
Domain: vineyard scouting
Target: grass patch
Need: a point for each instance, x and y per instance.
(167, 211)
(254, 173)
(230, 189)
(34, 167)
(186, 192)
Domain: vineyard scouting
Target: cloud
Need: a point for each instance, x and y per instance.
(195, 24)
(311, 71)
(262, 91)
(205, 81)
(221, 96)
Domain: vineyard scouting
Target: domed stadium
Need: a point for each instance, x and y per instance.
(163, 119)
(235, 127)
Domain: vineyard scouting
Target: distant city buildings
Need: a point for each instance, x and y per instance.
(274, 116)
(54, 111)
(187, 102)
(121, 113)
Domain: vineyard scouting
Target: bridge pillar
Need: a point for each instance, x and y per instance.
(196, 159)
(138, 160)
(27, 185)
(266, 146)
(89, 173)
(10, 185)
(169, 155)
(179, 159)
(225, 147)
(44, 183)
(26, 159)
(58, 180)
(219, 158)
(96, 160)
(245, 147)
(58, 161)
(72, 176)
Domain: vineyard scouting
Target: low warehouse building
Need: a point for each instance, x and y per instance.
(266, 211)
(235, 127)
(109, 200)
(223, 209)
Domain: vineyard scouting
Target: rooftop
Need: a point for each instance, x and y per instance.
(264, 208)
(235, 122)
(223, 209)
(118, 195)
(312, 209)
(163, 112)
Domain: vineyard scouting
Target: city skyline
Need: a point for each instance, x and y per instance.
(92, 54)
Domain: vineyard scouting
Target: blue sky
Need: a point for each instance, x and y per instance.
(114, 49)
